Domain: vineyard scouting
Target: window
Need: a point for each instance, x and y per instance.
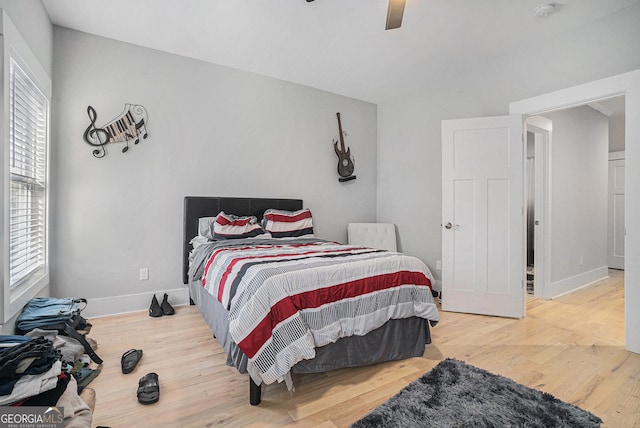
(28, 113)
(25, 100)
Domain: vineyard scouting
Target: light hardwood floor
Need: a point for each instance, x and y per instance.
(571, 347)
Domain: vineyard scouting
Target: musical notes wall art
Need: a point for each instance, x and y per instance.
(128, 127)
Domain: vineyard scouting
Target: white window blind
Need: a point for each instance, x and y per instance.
(28, 111)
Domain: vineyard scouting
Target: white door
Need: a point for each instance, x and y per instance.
(482, 216)
(616, 214)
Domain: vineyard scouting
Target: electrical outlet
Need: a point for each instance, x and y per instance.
(144, 274)
(438, 265)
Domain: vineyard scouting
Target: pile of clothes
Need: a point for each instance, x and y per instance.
(43, 368)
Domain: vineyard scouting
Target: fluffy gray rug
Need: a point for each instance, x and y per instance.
(455, 394)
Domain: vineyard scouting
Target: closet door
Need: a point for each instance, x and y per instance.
(616, 229)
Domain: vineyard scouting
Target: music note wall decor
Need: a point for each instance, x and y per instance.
(128, 127)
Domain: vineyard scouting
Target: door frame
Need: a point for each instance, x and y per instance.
(542, 128)
(627, 84)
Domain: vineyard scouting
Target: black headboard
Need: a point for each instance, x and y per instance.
(204, 206)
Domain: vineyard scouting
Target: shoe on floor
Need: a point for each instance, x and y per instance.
(130, 360)
(154, 309)
(148, 389)
(167, 309)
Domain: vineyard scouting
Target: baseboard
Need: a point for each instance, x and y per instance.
(132, 302)
(577, 282)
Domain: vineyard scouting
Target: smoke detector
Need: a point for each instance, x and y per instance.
(544, 10)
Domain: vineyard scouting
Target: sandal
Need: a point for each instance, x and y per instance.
(149, 389)
(130, 360)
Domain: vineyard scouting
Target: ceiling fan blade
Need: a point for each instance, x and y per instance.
(394, 14)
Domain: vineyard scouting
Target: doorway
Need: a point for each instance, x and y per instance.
(509, 199)
(627, 84)
(537, 193)
(576, 251)
(530, 183)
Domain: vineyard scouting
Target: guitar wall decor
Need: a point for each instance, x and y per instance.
(128, 127)
(345, 161)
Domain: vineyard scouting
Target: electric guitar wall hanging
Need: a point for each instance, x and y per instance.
(345, 162)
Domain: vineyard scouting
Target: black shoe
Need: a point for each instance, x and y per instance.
(154, 309)
(130, 359)
(167, 309)
(148, 389)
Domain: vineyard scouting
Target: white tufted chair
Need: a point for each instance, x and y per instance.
(374, 235)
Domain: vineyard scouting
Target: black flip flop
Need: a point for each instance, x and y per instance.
(149, 389)
(130, 360)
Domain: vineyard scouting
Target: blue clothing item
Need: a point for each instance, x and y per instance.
(9, 339)
(41, 311)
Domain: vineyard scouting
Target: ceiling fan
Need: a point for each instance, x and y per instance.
(394, 14)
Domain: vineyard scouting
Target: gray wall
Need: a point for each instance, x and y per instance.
(409, 128)
(213, 131)
(579, 190)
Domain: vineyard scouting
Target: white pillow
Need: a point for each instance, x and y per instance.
(205, 227)
(198, 241)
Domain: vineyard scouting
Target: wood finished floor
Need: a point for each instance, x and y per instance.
(571, 347)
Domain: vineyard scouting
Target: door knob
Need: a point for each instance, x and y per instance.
(448, 225)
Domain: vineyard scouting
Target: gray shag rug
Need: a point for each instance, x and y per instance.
(455, 394)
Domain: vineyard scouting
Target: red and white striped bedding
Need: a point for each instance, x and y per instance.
(286, 299)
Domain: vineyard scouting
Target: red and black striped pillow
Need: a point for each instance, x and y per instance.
(288, 224)
(229, 226)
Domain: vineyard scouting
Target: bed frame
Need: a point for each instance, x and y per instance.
(414, 332)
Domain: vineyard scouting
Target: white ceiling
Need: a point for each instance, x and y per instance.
(335, 45)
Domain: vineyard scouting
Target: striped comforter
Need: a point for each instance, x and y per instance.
(287, 297)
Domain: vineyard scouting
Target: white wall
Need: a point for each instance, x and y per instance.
(31, 19)
(632, 220)
(579, 186)
(213, 131)
(616, 133)
(409, 132)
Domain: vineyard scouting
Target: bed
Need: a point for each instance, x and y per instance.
(403, 336)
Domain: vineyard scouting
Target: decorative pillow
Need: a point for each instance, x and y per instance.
(229, 226)
(286, 224)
